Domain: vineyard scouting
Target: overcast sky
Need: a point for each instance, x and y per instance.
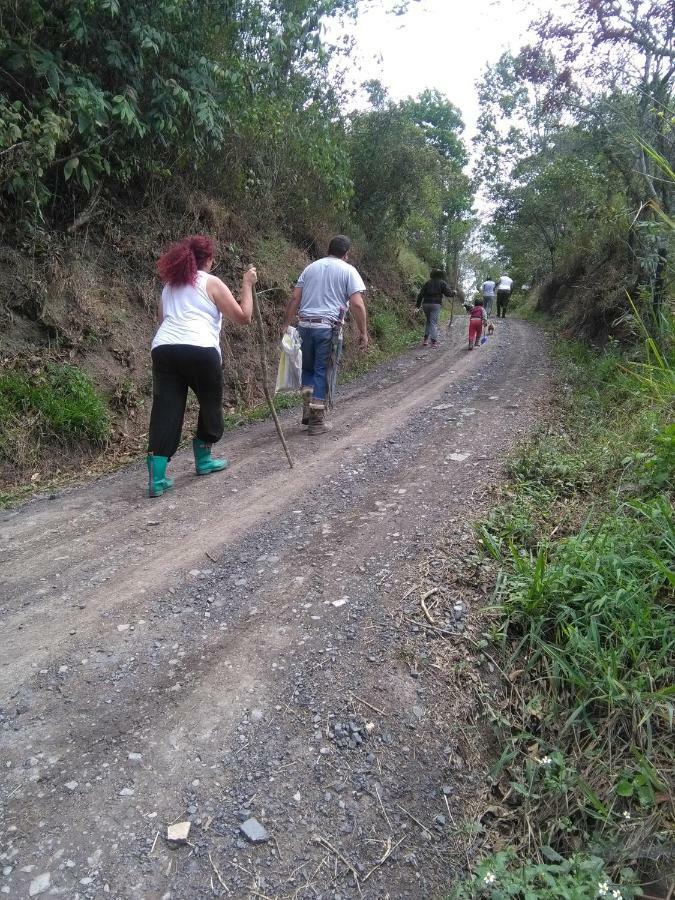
(443, 44)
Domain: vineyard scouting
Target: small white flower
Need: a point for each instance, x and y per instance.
(616, 895)
(546, 761)
(626, 815)
(490, 878)
(603, 889)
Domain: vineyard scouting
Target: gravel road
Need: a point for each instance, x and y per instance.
(249, 653)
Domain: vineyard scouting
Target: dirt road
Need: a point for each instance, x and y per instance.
(251, 645)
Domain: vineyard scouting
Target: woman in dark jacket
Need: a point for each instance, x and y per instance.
(430, 299)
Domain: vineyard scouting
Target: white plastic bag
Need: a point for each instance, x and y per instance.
(289, 376)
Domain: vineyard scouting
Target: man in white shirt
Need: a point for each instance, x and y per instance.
(504, 286)
(324, 293)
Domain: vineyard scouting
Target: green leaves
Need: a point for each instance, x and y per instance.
(70, 166)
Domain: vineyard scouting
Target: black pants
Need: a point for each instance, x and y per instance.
(502, 303)
(175, 368)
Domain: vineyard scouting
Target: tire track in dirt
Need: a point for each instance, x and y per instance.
(93, 558)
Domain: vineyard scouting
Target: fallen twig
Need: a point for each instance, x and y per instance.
(416, 821)
(329, 846)
(383, 809)
(386, 856)
(426, 612)
(381, 712)
(218, 875)
(154, 844)
(454, 824)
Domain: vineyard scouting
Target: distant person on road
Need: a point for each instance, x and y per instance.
(430, 299)
(488, 291)
(477, 320)
(504, 286)
(323, 295)
(186, 354)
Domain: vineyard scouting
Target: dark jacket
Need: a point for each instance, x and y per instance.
(433, 291)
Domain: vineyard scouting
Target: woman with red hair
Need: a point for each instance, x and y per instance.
(186, 354)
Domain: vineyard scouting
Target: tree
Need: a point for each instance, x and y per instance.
(407, 163)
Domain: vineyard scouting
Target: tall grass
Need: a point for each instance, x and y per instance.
(585, 617)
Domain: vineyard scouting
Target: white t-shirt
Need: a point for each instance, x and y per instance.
(488, 288)
(190, 316)
(327, 285)
(505, 283)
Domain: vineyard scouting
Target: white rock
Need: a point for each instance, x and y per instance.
(39, 885)
(457, 457)
(124, 627)
(178, 832)
(71, 785)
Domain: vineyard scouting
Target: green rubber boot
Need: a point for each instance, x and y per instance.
(204, 464)
(157, 480)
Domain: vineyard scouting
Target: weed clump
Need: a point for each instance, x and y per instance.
(56, 405)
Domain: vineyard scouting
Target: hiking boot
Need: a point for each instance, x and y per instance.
(157, 480)
(204, 464)
(306, 400)
(317, 419)
(434, 345)
(425, 342)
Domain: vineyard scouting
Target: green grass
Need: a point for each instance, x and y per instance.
(59, 398)
(584, 616)
(46, 411)
(258, 413)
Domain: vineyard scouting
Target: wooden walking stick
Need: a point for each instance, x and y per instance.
(266, 387)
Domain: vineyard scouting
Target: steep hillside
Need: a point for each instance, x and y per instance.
(86, 303)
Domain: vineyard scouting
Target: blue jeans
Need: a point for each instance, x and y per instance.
(316, 344)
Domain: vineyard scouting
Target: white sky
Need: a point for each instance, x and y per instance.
(442, 44)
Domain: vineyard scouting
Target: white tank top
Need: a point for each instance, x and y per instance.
(190, 316)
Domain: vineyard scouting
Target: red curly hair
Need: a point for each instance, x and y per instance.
(179, 263)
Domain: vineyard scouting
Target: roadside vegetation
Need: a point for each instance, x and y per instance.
(51, 405)
(584, 618)
(583, 536)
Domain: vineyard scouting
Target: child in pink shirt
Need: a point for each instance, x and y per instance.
(477, 319)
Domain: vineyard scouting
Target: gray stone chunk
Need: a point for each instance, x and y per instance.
(254, 831)
(39, 885)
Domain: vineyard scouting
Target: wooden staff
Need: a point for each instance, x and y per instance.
(266, 388)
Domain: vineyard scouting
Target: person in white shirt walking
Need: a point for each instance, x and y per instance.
(504, 286)
(325, 291)
(186, 354)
